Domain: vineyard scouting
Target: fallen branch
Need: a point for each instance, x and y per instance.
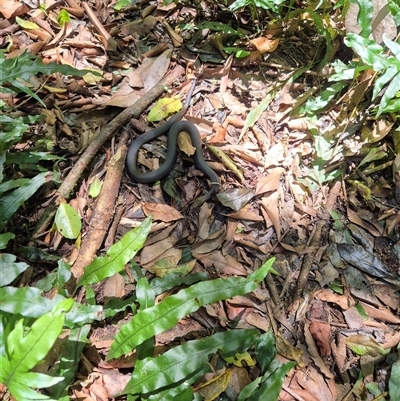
(104, 210)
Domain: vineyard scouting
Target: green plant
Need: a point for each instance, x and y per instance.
(273, 5)
(30, 323)
(25, 347)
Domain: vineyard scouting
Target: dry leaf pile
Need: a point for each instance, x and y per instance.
(334, 306)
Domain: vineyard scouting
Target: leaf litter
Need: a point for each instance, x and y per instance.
(282, 141)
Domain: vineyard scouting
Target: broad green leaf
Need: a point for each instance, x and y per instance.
(10, 269)
(55, 279)
(164, 107)
(26, 349)
(392, 46)
(10, 203)
(34, 254)
(393, 106)
(173, 280)
(323, 99)
(9, 185)
(4, 238)
(117, 255)
(26, 24)
(363, 344)
(271, 385)
(265, 350)
(219, 27)
(372, 155)
(37, 380)
(121, 4)
(394, 381)
(63, 17)
(166, 314)
(21, 392)
(146, 299)
(364, 17)
(180, 362)
(22, 68)
(95, 188)
(370, 52)
(273, 5)
(383, 80)
(69, 363)
(29, 302)
(31, 157)
(182, 391)
(390, 92)
(12, 130)
(68, 221)
(250, 389)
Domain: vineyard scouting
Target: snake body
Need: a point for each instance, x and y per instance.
(174, 126)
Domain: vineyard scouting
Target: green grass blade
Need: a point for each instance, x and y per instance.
(166, 314)
(178, 363)
(117, 256)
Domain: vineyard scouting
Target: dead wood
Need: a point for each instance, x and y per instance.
(104, 210)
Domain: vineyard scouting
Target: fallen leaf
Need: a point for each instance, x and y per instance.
(161, 212)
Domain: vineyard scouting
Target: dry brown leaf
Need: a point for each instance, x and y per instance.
(246, 214)
(13, 8)
(353, 318)
(299, 124)
(139, 27)
(382, 314)
(321, 333)
(355, 218)
(233, 104)
(185, 144)
(209, 244)
(327, 295)
(153, 252)
(135, 80)
(161, 212)
(270, 207)
(256, 320)
(248, 241)
(114, 287)
(381, 128)
(387, 295)
(157, 69)
(270, 182)
(124, 97)
(265, 45)
(217, 385)
(312, 349)
(275, 155)
(223, 265)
